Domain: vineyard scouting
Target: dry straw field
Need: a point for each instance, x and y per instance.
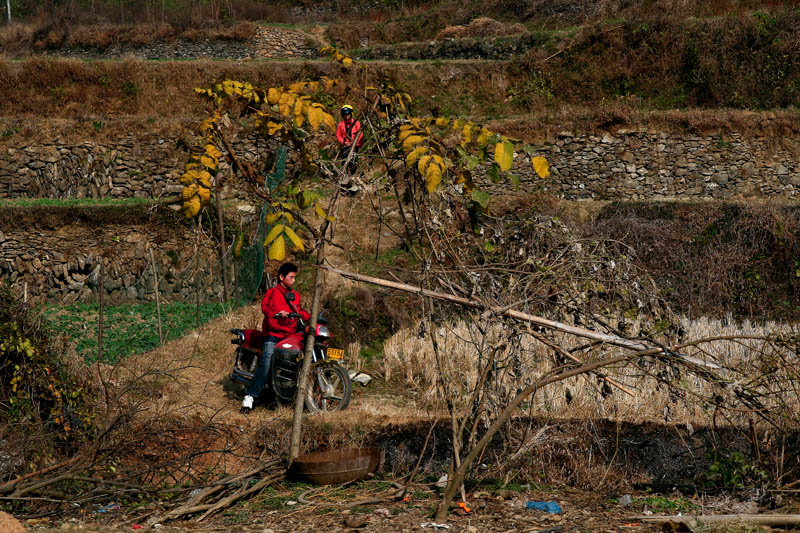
(412, 359)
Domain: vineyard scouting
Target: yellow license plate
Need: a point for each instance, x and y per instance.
(335, 353)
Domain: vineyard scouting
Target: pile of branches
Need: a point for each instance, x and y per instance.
(73, 439)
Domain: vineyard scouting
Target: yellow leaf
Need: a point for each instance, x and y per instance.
(411, 141)
(300, 105)
(442, 122)
(272, 217)
(541, 167)
(433, 177)
(192, 207)
(415, 154)
(466, 134)
(277, 252)
(504, 155)
(483, 137)
(205, 179)
(457, 124)
(423, 163)
(313, 86)
(405, 132)
(207, 124)
(212, 151)
(204, 194)
(188, 192)
(347, 61)
(208, 162)
(274, 232)
(315, 117)
(273, 127)
(273, 95)
(297, 86)
(318, 209)
(286, 103)
(298, 121)
(297, 241)
(329, 121)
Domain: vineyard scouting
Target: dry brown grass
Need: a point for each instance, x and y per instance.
(481, 27)
(411, 359)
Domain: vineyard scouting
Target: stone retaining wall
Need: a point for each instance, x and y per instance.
(627, 164)
(63, 265)
(640, 164)
(128, 168)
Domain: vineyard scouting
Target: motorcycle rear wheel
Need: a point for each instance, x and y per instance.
(329, 388)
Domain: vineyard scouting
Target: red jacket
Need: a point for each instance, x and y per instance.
(275, 301)
(347, 130)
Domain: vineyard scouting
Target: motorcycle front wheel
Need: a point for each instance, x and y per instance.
(329, 388)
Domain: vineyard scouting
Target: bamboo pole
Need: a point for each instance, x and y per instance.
(158, 300)
(100, 312)
(518, 315)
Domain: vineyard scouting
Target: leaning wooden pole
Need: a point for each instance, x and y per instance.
(511, 313)
(774, 520)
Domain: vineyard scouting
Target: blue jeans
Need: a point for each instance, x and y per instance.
(264, 362)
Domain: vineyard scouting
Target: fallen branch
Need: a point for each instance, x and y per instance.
(226, 502)
(777, 520)
(525, 317)
(194, 503)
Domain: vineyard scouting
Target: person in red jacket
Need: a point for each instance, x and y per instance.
(277, 325)
(349, 131)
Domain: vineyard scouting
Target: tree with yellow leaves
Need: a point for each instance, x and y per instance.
(430, 156)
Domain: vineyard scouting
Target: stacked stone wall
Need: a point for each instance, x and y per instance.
(624, 165)
(641, 165)
(128, 168)
(63, 265)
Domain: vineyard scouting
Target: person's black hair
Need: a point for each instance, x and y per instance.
(286, 269)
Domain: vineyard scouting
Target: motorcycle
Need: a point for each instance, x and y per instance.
(329, 386)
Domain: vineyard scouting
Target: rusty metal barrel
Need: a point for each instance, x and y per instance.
(338, 466)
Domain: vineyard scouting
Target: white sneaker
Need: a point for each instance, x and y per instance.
(247, 404)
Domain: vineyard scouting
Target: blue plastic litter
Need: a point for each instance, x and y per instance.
(108, 508)
(548, 507)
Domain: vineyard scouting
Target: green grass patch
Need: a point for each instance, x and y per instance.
(127, 329)
(663, 504)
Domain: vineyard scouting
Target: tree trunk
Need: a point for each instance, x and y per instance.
(461, 471)
(302, 385)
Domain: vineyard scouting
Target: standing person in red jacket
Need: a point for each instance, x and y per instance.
(348, 131)
(277, 325)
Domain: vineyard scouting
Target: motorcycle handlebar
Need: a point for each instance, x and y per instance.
(295, 316)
